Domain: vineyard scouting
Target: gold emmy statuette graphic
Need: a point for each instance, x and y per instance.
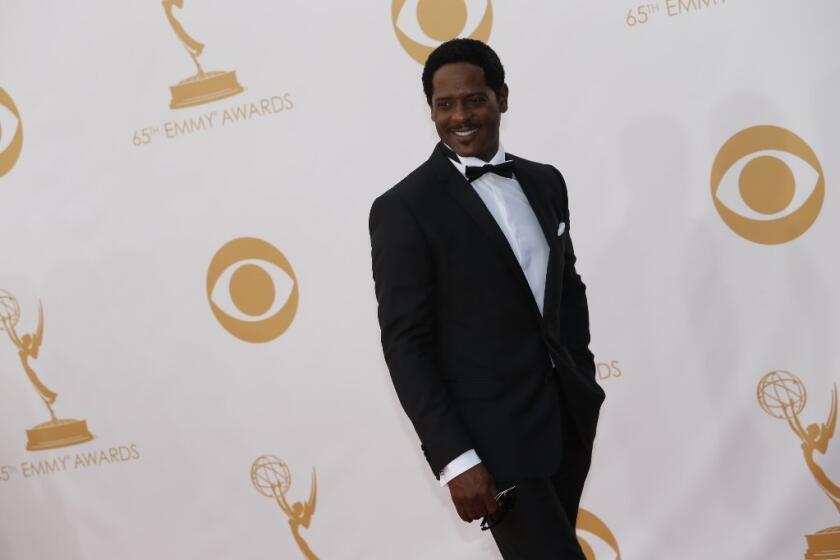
(204, 87)
(782, 395)
(9, 156)
(57, 432)
(272, 479)
(440, 20)
(591, 523)
(777, 195)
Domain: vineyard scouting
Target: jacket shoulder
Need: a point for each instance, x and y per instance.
(546, 171)
(536, 166)
(414, 186)
(415, 181)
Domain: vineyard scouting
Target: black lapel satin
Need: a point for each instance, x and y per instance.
(544, 209)
(458, 188)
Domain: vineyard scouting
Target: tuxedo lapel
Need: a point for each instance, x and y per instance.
(540, 203)
(546, 214)
(463, 193)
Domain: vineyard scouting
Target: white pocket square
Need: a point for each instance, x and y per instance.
(561, 229)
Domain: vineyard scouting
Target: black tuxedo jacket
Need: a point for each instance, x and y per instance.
(466, 346)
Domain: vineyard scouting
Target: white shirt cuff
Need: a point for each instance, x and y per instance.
(461, 463)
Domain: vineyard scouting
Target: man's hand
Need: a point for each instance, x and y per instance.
(472, 493)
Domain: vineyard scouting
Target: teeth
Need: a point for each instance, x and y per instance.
(464, 132)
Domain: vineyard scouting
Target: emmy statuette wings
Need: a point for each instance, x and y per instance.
(308, 507)
(816, 438)
(56, 432)
(203, 87)
(193, 47)
(782, 395)
(28, 347)
(300, 513)
(271, 478)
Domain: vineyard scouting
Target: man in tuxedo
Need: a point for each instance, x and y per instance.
(485, 325)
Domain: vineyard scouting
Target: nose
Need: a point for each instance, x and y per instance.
(460, 114)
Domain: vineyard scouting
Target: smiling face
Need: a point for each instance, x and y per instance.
(466, 112)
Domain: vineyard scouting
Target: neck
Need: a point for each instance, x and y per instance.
(485, 157)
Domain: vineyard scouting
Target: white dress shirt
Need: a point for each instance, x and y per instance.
(509, 206)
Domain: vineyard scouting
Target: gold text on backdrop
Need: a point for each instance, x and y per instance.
(11, 133)
(607, 370)
(642, 13)
(203, 87)
(271, 477)
(56, 432)
(782, 395)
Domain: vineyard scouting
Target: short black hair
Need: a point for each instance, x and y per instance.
(471, 51)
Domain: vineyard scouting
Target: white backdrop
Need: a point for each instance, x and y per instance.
(116, 205)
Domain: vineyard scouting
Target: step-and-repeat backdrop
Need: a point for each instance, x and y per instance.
(189, 354)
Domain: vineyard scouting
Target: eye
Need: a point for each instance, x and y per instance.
(252, 290)
(767, 185)
(11, 133)
(422, 25)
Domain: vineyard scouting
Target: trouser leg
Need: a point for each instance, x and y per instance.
(569, 479)
(538, 527)
(542, 523)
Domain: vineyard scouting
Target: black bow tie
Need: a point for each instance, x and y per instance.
(504, 169)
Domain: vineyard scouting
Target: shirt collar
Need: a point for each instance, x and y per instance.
(461, 165)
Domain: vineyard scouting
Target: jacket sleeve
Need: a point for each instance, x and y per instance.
(574, 309)
(403, 274)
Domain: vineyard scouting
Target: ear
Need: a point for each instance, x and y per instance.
(503, 98)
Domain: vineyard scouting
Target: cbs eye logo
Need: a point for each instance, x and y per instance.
(422, 25)
(604, 546)
(11, 133)
(780, 185)
(252, 290)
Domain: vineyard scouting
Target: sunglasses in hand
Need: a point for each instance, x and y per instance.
(505, 499)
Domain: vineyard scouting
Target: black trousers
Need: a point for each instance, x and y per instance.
(542, 523)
